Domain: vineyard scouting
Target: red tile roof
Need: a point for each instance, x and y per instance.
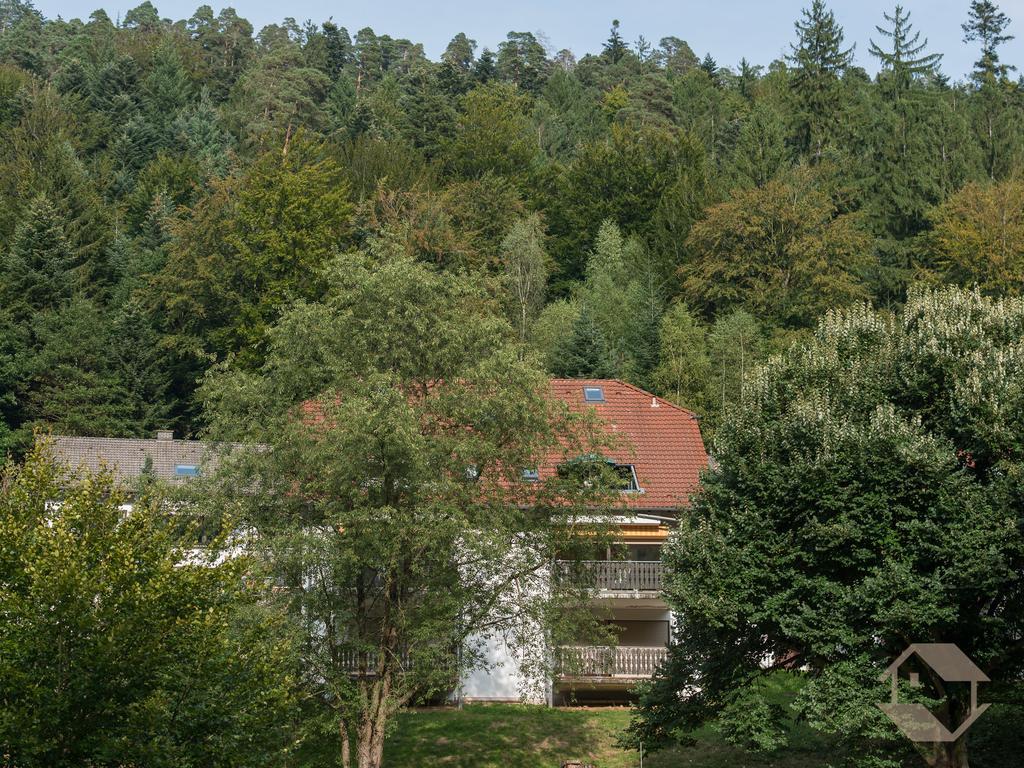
(661, 440)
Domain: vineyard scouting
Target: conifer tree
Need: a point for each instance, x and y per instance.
(614, 47)
(906, 61)
(819, 60)
(37, 269)
(986, 24)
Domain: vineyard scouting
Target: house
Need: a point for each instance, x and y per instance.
(660, 455)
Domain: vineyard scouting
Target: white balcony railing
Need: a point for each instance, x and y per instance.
(615, 575)
(605, 661)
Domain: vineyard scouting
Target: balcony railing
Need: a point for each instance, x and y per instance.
(355, 663)
(604, 661)
(615, 575)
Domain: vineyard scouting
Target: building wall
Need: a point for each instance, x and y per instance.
(503, 678)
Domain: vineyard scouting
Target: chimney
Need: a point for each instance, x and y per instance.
(655, 403)
(165, 434)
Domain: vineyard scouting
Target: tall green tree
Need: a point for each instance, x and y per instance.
(977, 238)
(526, 270)
(864, 497)
(614, 47)
(256, 242)
(819, 61)
(683, 374)
(986, 25)
(523, 61)
(906, 60)
(646, 180)
(399, 420)
(38, 268)
(492, 133)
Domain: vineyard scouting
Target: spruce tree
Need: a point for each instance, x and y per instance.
(37, 269)
(819, 60)
(338, 46)
(906, 61)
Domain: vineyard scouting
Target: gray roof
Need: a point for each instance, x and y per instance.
(173, 461)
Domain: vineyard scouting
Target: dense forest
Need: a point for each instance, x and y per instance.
(167, 188)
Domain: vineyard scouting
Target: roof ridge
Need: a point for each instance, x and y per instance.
(644, 392)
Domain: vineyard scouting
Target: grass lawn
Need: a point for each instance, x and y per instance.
(521, 736)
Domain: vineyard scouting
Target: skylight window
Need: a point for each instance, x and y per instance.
(593, 394)
(531, 475)
(186, 470)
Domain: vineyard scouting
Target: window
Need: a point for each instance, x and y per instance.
(531, 475)
(587, 469)
(593, 394)
(186, 470)
(627, 473)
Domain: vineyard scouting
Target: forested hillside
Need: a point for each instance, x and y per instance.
(167, 187)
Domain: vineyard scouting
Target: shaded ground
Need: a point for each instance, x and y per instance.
(523, 736)
(518, 736)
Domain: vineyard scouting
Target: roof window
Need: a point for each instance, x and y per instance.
(593, 394)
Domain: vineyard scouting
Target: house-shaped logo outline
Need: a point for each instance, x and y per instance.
(953, 666)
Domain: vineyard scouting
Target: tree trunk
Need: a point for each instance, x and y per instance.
(372, 726)
(346, 748)
(951, 755)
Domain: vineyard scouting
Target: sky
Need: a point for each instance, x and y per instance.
(761, 30)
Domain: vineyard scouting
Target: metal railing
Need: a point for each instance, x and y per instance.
(355, 662)
(605, 661)
(615, 575)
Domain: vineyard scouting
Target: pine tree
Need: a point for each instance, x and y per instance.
(904, 182)
(997, 133)
(166, 91)
(522, 60)
(985, 24)
(819, 60)
(760, 151)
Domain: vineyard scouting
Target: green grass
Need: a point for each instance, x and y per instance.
(520, 736)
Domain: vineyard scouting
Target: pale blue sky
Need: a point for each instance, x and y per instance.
(728, 29)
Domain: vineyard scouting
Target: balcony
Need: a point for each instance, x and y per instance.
(360, 664)
(614, 575)
(598, 662)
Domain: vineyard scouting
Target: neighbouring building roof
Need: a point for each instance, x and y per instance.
(660, 440)
(170, 460)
